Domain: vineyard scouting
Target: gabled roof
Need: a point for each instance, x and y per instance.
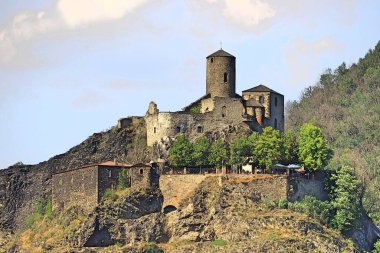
(261, 88)
(220, 53)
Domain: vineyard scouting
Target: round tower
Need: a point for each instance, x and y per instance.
(220, 74)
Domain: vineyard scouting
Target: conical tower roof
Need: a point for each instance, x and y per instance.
(220, 53)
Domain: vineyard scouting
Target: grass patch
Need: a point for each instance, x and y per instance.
(110, 195)
(218, 243)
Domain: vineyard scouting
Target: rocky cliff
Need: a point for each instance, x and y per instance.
(230, 215)
(21, 185)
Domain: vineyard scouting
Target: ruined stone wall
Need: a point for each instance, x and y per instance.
(300, 187)
(165, 125)
(207, 105)
(216, 67)
(143, 177)
(108, 178)
(176, 188)
(76, 187)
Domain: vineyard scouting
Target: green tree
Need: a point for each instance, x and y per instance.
(201, 151)
(253, 139)
(268, 147)
(313, 150)
(289, 149)
(345, 197)
(219, 153)
(240, 149)
(181, 152)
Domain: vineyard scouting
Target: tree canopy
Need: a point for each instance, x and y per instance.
(181, 152)
(314, 152)
(219, 153)
(346, 105)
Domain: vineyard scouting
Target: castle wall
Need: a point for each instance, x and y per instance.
(108, 179)
(207, 105)
(277, 112)
(76, 187)
(274, 112)
(143, 176)
(176, 188)
(216, 67)
(166, 125)
(256, 96)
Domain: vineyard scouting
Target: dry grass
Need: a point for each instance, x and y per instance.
(49, 233)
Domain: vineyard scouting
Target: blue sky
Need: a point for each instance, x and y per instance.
(69, 68)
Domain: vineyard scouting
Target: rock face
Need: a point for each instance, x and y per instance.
(21, 185)
(239, 214)
(133, 218)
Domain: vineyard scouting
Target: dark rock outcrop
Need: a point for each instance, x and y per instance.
(133, 218)
(21, 185)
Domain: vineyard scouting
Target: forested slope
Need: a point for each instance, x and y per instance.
(345, 103)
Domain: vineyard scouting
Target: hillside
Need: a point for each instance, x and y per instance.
(346, 105)
(233, 216)
(21, 185)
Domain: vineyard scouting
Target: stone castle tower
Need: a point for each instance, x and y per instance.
(219, 110)
(221, 74)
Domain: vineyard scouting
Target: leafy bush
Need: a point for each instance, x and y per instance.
(320, 210)
(219, 243)
(110, 195)
(376, 247)
(49, 208)
(282, 204)
(345, 198)
(195, 109)
(123, 181)
(42, 207)
(31, 219)
(153, 248)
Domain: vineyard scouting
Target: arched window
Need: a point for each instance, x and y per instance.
(275, 101)
(225, 77)
(275, 123)
(224, 111)
(141, 171)
(199, 129)
(177, 129)
(261, 100)
(212, 60)
(154, 129)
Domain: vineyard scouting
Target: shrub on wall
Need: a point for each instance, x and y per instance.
(110, 195)
(42, 208)
(123, 180)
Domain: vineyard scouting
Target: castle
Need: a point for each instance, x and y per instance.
(220, 108)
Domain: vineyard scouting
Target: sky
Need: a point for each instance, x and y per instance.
(70, 68)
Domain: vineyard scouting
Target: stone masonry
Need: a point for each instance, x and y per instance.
(221, 108)
(85, 186)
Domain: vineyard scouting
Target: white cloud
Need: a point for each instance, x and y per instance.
(302, 57)
(81, 12)
(248, 12)
(24, 26)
